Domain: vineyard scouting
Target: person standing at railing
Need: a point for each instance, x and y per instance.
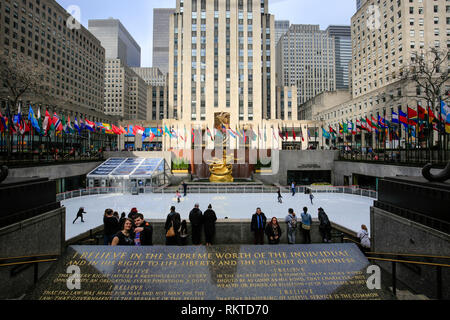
(291, 221)
(273, 231)
(110, 226)
(209, 224)
(126, 236)
(196, 219)
(324, 226)
(306, 225)
(173, 227)
(144, 229)
(364, 239)
(258, 226)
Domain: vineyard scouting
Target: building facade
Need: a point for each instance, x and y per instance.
(342, 36)
(161, 36)
(381, 50)
(125, 92)
(281, 27)
(306, 59)
(117, 41)
(222, 60)
(72, 59)
(157, 93)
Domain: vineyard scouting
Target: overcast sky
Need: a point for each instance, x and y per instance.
(137, 15)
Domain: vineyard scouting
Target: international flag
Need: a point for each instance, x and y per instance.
(301, 134)
(293, 134)
(413, 117)
(167, 131)
(422, 112)
(3, 125)
(33, 120)
(57, 123)
(382, 122)
(76, 126)
(138, 130)
(69, 125)
(89, 125)
(445, 111)
(395, 118)
(431, 117)
(47, 122)
(209, 133)
(403, 117)
(326, 134)
(341, 128)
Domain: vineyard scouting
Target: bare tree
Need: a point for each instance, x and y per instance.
(20, 79)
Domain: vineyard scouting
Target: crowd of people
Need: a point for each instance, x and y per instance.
(134, 230)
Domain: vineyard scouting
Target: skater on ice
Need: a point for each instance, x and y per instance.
(80, 215)
(280, 197)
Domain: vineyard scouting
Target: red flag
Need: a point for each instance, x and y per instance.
(412, 115)
(422, 112)
(293, 134)
(152, 136)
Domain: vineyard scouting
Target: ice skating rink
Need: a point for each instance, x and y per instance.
(347, 210)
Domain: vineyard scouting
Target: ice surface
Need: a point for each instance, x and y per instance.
(349, 211)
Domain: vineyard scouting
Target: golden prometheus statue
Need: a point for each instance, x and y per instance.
(221, 169)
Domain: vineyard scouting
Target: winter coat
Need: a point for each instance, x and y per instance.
(209, 221)
(147, 234)
(270, 233)
(176, 218)
(324, 221)
(196, 217)
(111, 225)
(254, 224)
(363, 236)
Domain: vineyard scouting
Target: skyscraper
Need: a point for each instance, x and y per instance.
(161, 35)
(117, 41)
(281, 27)
(221, 60)
(306, 59)
(359, 4)
(343, 53)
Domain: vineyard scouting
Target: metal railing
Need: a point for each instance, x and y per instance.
(20, 264)
(247, 189)
(400, 258)
(395, 258)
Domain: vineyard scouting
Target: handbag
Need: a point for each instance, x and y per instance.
(171, 232)
(306, 227)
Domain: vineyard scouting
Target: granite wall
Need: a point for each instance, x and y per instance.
(227, 232)
(394, 234)
(44, 234)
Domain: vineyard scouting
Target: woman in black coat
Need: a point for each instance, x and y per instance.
(273, 231)
(209, 223)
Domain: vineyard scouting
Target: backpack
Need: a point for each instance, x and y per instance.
(293, 223)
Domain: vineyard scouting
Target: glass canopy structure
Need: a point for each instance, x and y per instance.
(130, 174)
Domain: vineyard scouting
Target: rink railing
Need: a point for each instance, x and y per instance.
(354, 190)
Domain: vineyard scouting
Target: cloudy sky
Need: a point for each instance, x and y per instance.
(137, 15)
